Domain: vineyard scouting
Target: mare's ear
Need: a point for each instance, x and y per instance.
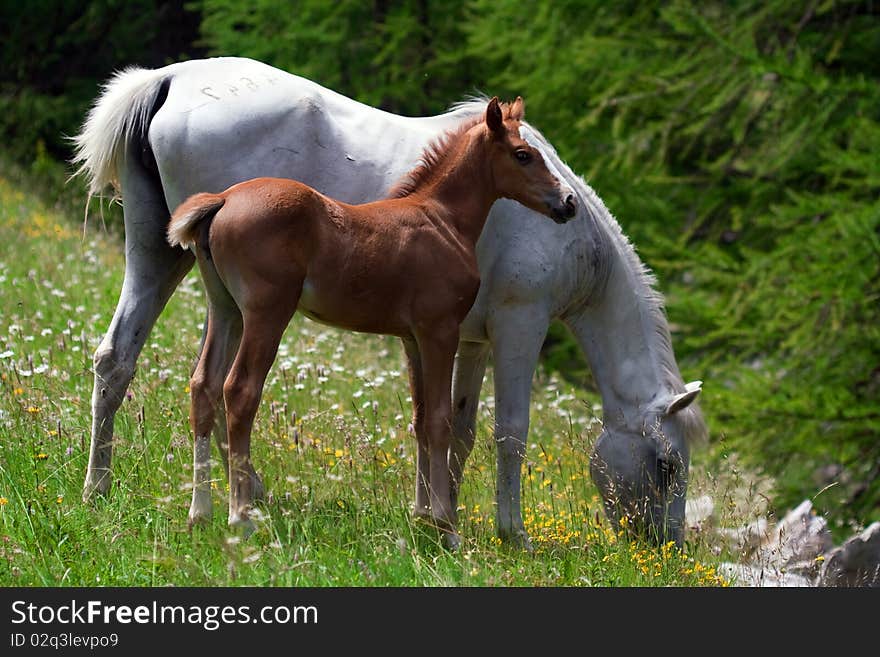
(518, 109)
(493, 117)
(684, 399)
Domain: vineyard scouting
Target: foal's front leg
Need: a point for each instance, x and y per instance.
(422, 508)
(437, 351)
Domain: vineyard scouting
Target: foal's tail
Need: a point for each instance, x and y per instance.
(189, 218)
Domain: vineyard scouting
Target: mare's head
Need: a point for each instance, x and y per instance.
(521, 166)
(641, 467)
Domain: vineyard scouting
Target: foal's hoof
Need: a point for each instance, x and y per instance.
(259, 489)
(422, 514)
(449, 537)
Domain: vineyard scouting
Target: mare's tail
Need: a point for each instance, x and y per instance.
(122, 112)
(191, 217)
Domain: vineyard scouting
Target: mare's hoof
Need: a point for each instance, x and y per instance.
(242, 524)
(196, 519)
(95, 488)
(517, 539)
(451, 541)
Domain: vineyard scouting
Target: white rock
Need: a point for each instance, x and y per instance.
(856, 562)
(800, 536)
(748, 538)
(699, 513)
(755, 576)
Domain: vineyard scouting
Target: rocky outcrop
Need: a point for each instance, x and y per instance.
(855, 563)
(797, 551)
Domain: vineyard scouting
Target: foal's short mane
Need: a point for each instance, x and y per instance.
(436, 152)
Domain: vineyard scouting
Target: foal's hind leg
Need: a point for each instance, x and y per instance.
(467, 379)
(153, 270)
(220, 438)
(242, 391)
(206, 386)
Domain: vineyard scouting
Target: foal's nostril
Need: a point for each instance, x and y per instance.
(570, 206)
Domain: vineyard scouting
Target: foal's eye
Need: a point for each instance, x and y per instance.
(523, 156)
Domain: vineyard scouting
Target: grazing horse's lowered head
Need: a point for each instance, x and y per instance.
(641, 466)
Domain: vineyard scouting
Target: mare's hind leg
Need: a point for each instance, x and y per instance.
(263, 328)
(467, 379)
(517, 335)
(153, 270)
(416, 387)
(206, 387)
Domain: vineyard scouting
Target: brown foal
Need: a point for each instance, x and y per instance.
(403, 266)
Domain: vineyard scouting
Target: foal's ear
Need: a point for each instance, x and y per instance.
(518, 109)
(493, 116)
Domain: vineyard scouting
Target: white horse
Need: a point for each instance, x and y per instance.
(158, 136)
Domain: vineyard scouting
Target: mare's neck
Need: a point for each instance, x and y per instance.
(623, 330)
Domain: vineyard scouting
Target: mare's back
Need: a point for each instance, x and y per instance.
(226, 120)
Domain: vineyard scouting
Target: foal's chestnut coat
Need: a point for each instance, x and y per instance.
(404, 266)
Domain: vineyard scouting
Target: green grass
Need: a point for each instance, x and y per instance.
(331, 442)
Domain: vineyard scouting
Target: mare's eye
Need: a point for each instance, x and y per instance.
(523, 156)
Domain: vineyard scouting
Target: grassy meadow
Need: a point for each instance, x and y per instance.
(332, 443)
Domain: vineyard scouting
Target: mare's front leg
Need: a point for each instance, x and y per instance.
(467, 380)
(264, 326)
(517, 334)
(437, 349)
(153, 269)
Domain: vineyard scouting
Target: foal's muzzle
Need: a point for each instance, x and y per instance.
(561, 214)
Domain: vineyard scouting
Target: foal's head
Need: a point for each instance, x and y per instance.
(521, 165)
